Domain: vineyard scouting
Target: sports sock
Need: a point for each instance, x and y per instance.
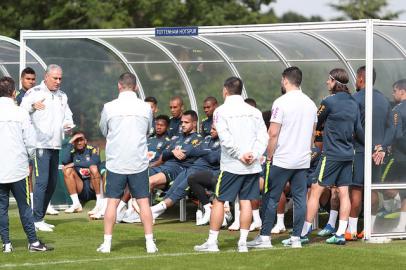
(352, 224)
(32, 199)
(342, 226)
(332, 219)
(280, 220)
(159, 208)
(306, 227)
(265, 238)
(99, 198)
(149, 237)
(256, 217)
(75, 199)
(213, 235)
(107, 240)
(243, 235)
(121, 205)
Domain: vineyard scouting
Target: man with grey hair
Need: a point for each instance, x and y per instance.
(52, 117)
(125, 122)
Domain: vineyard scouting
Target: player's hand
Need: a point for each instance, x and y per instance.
(179, 154)
(70, 165)
(247, 158)
(39, 105)
(74, 138)
(378, 157)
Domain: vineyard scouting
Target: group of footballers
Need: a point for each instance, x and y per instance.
(314, 157)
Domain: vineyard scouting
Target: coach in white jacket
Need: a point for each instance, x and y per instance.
(243, 139)
(51, 116)
(17, 143)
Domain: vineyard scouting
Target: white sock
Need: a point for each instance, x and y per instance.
(280, 220)
(158, 208)
(35, 243)
(243, 235)
(265, 238)
(255, 216)
(352, 224)
(226, 204)
(149, 237)
(237, 211)
(121, 205)
(306, 227)
(99, 197)
(207, 208)
(402, 220)
(107, 239)
(213, 235)
(342, 226)
(332, 219)
(75, 199)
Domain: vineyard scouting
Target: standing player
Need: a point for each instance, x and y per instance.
(395, 170)
(243, 140)
(293, 121)
(209, 105)
(51, 116)
(382, 130)
(339, 113)
(17, 142)
(125, 123)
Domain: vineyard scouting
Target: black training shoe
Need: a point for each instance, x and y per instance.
(39, 247)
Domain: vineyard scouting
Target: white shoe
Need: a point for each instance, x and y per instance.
(256, 225)
(7, 248)
(51, 210)
(259, 243)
(103, 248)
(235, 226)
(278, 228)
(97, 216)
(207, 247)
(205, 219)
(94, 210)
(120, 215)
(296, 243)
(151, 247)
(41, 226)
(133, 218)
(74, 209)
(49, 225)
(242, 247)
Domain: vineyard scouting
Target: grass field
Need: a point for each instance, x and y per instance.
(76, 239)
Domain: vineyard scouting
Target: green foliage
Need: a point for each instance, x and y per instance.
(365, 9)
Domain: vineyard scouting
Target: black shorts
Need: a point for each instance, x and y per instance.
(138, 183)
(394, 172)
(87, 193)
(358, 171)
(333, 173)
(230, 185)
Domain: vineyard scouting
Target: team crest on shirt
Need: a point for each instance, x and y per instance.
(195, 141)
(87, 158)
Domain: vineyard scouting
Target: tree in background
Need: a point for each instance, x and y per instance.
(365, 9)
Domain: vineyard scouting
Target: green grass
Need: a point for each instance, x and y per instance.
(76, 239)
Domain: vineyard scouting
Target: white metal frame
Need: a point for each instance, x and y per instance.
(254, 32)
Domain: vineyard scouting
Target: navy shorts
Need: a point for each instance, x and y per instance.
(171, 171)
(138, 183)
(395, 172)
(87, 193)
(230, 185)
(358, 171)
(333, 173)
